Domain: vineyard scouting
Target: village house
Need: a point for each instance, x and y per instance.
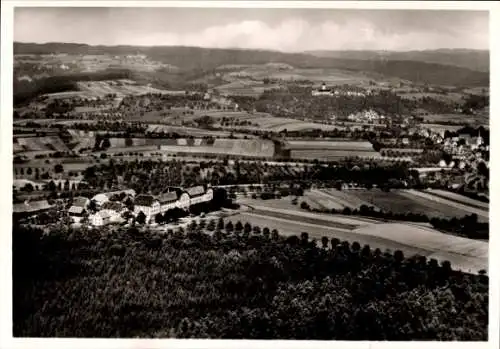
(111, 212)
(100, 218)
(78, 208)
(466, 138)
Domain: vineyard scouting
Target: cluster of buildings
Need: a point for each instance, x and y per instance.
(325, 91)
(110, 207)
(366, 116)
(116, 207)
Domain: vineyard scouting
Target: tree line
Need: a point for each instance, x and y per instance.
(467, 226)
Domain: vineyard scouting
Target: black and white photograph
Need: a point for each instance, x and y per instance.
(249, 173)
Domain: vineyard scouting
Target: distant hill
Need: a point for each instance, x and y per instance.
(471, 59)
(202, 59)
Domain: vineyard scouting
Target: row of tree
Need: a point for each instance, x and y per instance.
(467, 226)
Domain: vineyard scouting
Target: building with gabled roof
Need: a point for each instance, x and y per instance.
(195, 191)
(174, 198)
(199, 194)
(103, 217)
(78, 209)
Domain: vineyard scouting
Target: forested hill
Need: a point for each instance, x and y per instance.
(471, 59)
(207, 58)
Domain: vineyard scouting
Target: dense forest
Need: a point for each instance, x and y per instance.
(238, 281)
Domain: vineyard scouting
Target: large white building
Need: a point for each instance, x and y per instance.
(177, 198)
(322, 91)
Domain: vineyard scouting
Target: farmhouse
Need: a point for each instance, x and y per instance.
(78, 208)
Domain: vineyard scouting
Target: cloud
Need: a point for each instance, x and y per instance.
(283, 31)
(297, 35)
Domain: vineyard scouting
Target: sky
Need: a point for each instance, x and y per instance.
(289, 30)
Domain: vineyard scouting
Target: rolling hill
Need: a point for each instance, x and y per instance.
(196, 59)
(478, 60)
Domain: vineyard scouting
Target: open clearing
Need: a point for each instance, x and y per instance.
(48, 143)
(459, 198)
(342, 198)
(466, 254)
(336, 145)
(400, 201)
(99, 89)
(332, 155)
(482, 214)
(282, 71)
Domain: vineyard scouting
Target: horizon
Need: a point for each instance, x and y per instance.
(247, 49)
(282, 30)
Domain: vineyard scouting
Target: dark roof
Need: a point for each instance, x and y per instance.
(167, 197)
(32, 206)
(144, 200)
(112, 205)
(196, 191)
(118, 192)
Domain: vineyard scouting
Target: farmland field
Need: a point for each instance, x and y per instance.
(284, 205)
(241, 147)
(451, 97)
(465, 254)
(343, 198)
(419, 195)
(459, 198)
(462, 118)
(404, 201)
(286, 72)
(339, 145)
(49, 143)
(332, 155)
(244, 87)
